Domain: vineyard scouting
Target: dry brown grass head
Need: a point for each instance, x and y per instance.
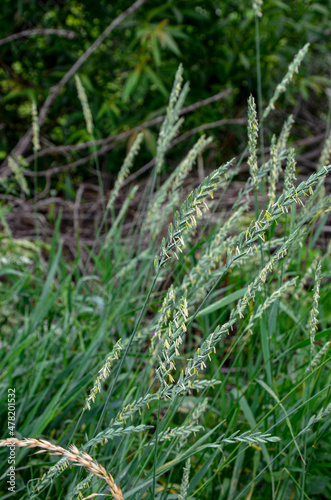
(80, 459)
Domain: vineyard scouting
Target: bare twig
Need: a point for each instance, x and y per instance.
(64, 150)
(109, 147)
(25, 141)
(209, 126)
(139, 172)
(205, 102)
(38, 31)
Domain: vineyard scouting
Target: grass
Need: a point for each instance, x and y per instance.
(193, 360)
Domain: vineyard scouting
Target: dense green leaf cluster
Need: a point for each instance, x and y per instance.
(128, 78)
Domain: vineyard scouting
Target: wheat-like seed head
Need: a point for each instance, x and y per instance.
(249, 437)
(185, 218)
(326, 152)
(172, 122)
(290, 171)
(281, 87)
(274, 170)
(17, 167)
(104, 373)
(253, 132)
(80, 459)
(35, 127)
(257, 6)
(85, 105)
(185, 480)
(172, 185)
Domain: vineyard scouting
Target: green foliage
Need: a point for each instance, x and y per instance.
(129, 77)
(188, 356)
(150, 368)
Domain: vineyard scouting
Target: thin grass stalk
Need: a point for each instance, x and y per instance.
(281, 87)
(124, 170)
(313, 420)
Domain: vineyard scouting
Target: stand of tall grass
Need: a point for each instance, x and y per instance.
(194, 362)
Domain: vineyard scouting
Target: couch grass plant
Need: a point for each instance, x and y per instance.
(190, 358)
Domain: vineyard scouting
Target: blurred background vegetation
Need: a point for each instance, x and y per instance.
(129, 77)
(73, 309)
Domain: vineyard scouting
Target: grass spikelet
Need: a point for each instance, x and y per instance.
(284, 135)
(198, 411)
(290, 171)
(320, 415)
(274, 170)
(35, 127)
(172, 122)
(185, 480)
(326, 152)
(124, 171)
(198, 385)
(321, 353)
(77, 493)
(281, 87)
(171, 341)
(182, 432)
(250, 438)
(194, 419)
(257, 6)
(85, 105)
(129, 410)
(253, 132)
(171, 186)
(302, 283)
(104, 373)
(17, 168)
(73, 455)
(269, 301)
(312, 325)
(165, 311)
(277, 148)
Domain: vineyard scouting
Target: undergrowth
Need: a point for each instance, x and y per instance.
(194, 361)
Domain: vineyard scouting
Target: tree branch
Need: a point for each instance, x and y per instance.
(109, 147)
(64, 150)
(38, 31)
(25, 141)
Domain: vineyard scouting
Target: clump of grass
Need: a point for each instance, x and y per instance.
(85, 105)
(193, 348)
